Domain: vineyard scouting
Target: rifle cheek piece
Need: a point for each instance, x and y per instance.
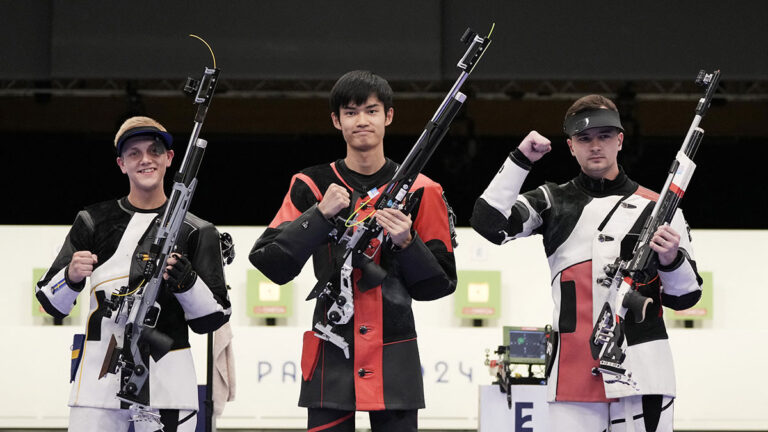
(159, 343)
(637, 303)
(372, 274)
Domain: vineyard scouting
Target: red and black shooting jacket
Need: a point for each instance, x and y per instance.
(384, 370)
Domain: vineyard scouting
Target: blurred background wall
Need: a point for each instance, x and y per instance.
(70, 72)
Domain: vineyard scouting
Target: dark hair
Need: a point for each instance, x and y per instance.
(356, 87)
(590, 102)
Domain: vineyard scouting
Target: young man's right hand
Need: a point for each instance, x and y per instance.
(335, 199)
(534, 146)
(81, 266)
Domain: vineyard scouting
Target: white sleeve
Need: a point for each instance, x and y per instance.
(199, 301)
(503, 190)
(681, 278)
(58, 294)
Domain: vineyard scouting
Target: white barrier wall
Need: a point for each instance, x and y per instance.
(719, 364)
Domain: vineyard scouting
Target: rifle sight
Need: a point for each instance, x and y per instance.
(703, 78)
(468, 36)
(191, 86)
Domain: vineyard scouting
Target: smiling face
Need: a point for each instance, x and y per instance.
(145, 160)
(596, 150)
(363, 125)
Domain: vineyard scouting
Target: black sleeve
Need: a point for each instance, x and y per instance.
(496, 228)
(428, 269)
(205, 256)
(59, 302)
(428, 265)
(492, 225)
(286, 245)
(79, 238)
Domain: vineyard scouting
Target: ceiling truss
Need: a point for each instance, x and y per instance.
(747, 90)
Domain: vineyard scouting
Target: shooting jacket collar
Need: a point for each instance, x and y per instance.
(363, 183)
(130, 208)
(621, 185)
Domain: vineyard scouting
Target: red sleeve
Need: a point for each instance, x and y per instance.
(288, 210)
(432, 220)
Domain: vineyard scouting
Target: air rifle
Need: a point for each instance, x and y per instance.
(362, 239)
(625, 275)
(135, 305)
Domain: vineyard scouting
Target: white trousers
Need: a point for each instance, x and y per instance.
(85, 419)
(626, 415)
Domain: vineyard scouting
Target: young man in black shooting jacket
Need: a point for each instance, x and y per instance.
(103, 245)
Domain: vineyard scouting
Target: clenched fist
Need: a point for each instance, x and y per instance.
(336, 198)
(534, 146)
(81, 266)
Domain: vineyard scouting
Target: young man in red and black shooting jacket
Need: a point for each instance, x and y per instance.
(383, 372)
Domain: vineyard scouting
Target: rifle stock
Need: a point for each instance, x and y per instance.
(607, 334)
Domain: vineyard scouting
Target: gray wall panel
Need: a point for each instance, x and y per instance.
(402, 40)
(289, 39)
(601, 39)
(25, 39)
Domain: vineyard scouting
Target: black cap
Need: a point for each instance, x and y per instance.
(588, 119)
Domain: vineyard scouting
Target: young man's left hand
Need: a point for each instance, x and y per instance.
(397, 224)
(665, 242)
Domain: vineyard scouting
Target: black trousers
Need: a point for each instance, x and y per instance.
(329, 420)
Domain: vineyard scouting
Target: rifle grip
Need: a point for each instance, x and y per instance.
(637, 303)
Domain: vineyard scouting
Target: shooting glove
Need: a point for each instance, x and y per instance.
(181, 277)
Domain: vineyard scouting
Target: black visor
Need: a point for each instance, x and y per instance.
(589, 119)
(165, 137)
